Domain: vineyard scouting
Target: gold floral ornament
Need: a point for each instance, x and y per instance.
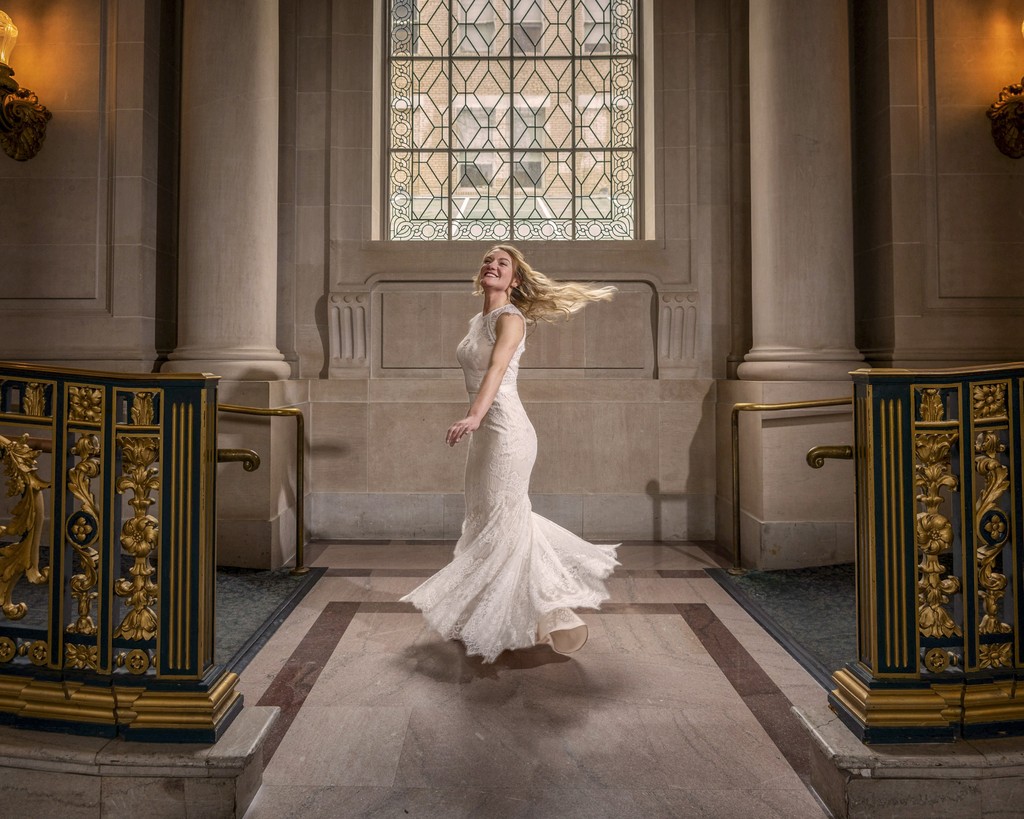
(139, 537)
(77, 656)
(8, 649)
(989, 401)
(934, 534)
(86, 403)
(21, 558)
(995, 655)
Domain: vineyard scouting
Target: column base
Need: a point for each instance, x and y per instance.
(231, 369)
(777, 370)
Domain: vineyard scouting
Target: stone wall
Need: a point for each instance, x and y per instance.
(90, 223)
(938, 221)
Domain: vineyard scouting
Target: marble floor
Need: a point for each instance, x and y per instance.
(678, 706)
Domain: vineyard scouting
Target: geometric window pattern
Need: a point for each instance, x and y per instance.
(512, 119)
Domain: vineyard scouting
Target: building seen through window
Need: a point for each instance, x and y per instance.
(511, 119)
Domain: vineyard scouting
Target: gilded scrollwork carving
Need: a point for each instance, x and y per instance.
(139, 537)
(21, 558)
(83, 530)
(992, 533)
(934, 533)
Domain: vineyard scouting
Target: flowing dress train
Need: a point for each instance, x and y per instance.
(515, 577)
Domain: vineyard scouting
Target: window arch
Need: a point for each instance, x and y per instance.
(511, 119)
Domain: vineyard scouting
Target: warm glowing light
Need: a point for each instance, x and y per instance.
(8, 37)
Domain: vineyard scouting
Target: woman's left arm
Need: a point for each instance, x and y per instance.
(508, 333)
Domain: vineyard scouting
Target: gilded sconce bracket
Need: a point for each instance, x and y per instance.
(1007, 115)
(22, 118)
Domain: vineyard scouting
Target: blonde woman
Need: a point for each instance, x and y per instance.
(515, 577)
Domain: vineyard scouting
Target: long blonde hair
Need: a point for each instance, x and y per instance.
(540, 297)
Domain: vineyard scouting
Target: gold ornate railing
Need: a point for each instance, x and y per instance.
(940, 600)
(107, 559)
(300, 470)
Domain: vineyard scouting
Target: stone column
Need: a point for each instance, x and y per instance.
(801, 193)
(227, 252)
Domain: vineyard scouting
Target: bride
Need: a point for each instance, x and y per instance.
(515, 577)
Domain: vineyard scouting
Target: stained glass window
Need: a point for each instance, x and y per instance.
(512, 119)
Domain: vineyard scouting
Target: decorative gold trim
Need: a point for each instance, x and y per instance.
(957, 372)
(936, 706)
(997, 701)
(130, 379)
(178, 709)
(67, 700)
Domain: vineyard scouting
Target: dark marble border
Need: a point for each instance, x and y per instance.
(758, 691)
(296, 679)
(251, 647)
(811, 664)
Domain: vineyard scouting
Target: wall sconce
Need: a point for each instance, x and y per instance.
(1007, 115)
(22, 119)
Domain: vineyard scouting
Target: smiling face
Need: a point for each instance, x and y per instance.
(497, 273)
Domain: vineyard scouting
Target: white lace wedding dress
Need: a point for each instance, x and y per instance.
(516, 576)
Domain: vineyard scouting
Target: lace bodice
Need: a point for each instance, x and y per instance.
(474, 351)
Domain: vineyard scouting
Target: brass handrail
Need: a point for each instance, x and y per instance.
(737, 567)
(300, 461)
(817, 455)
(249, 458)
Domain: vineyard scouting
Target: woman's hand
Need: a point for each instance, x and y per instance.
(458, 430)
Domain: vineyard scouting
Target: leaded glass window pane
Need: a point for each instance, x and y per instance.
(512, 119)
